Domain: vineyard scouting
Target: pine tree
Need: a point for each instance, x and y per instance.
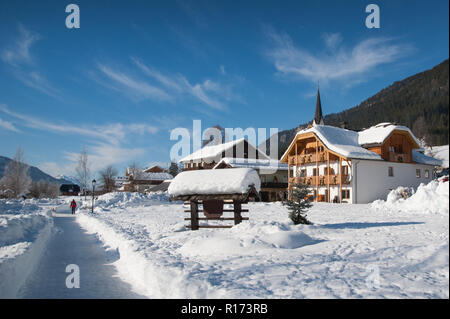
(173, 169)
(298, 204)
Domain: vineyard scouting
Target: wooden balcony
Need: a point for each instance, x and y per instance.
(399, 157)
(307, 158)
(320, 180)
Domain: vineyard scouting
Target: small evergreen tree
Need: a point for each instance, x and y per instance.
(173, 169)
(298, 204)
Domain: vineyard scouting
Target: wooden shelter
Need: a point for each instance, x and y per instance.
(212, 189)
(213, 208)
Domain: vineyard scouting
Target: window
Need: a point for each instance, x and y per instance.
(418, 173)
(303, 173)
(391, 149)
(345, 194)
(427, 173)
(314, 172)
(390, 171)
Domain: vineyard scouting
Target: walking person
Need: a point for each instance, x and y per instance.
(73, 205)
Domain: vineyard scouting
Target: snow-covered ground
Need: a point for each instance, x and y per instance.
(393, 249)
(25, 229)
(398, 248)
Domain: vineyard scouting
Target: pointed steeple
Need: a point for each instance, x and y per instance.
(318, 119)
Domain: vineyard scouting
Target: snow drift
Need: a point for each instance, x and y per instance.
(430, 198)
(25, 229)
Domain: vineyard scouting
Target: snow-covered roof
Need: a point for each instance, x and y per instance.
(213, 151)
(421, 158)
(377, 134)
(261, 164)
(215, 181)
(339, 140)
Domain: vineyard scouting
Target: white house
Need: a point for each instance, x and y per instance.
(341, 165)
(208, 156)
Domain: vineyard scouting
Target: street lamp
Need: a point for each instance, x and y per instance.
(93, 192)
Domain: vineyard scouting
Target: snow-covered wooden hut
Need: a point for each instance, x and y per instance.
(211, 189)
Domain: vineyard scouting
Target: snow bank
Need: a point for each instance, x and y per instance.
(430, 198)
(127, 199)
(154, 276)
(25, 229)
(217, 181)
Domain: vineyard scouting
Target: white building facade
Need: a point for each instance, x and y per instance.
(345, 166)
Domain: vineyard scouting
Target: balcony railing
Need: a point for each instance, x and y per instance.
(320, 180)
(399, 157)
(308, 158)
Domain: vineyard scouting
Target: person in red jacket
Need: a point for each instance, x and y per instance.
(73, 205)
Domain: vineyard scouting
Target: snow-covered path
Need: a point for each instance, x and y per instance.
(70, 244)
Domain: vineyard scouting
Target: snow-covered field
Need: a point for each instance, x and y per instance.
(388, 249)
(398, 248)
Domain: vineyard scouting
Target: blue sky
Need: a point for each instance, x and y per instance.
(137, 69)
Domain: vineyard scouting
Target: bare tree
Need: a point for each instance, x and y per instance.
(108, 178)
(83, 171)
(16, 177)
(135, 170)
(44, 189)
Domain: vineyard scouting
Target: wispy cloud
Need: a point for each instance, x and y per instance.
(106, 142)
(114, 133)
(8, 126)
(102, 155)
(335, 62)
(139, 89)
(23, 65)
(19, 52)
(208, 92)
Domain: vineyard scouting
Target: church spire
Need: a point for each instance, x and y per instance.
(318, 119)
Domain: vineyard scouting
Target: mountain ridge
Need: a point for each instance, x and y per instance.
(420, 102)
(36, 174)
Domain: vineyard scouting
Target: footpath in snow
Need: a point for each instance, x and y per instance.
(71, 245)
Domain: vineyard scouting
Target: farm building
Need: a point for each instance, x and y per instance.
(144, 180)
(242, 154)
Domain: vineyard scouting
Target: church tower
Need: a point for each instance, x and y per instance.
(318, 119)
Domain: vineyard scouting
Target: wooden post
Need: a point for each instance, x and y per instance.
(289, 177)
(340, 179)
(194, 215)
(328, 177)
(317, 170)
(237, 211)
